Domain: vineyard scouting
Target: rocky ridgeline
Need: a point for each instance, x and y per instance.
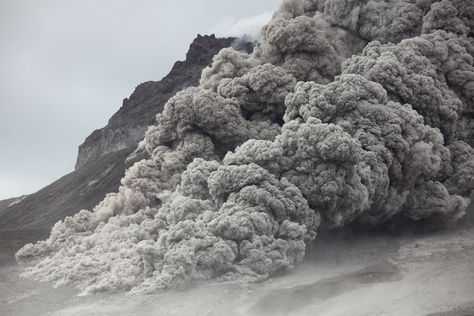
(102, 158)
(127, 127)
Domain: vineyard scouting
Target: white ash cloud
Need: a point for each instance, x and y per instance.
(347, 112)
(250, 26)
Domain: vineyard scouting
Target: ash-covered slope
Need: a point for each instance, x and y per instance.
(64, 197)
(127, 127)
(4, 204)
(102, 157)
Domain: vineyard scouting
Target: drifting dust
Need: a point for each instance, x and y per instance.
(362, 276)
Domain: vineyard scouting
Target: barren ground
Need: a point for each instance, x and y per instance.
(432, 274)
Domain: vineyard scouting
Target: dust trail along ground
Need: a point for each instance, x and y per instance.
(388, 275)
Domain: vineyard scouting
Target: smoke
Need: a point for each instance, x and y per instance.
(347, 112)
(247, 26)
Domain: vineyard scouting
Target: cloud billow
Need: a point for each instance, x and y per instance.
(359, 116)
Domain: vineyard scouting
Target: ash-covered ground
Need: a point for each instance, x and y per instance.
(376, 274)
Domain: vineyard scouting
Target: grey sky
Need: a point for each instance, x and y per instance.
(65, 67)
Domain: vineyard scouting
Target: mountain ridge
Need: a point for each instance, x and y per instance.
(127, 126)
(107, 152)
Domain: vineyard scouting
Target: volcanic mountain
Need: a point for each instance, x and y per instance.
(107, 152)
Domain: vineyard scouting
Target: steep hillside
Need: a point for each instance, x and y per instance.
(102, 158)
(126, 127)
(4, 204)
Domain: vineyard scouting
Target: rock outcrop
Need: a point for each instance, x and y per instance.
(109, 151)
(128, 125)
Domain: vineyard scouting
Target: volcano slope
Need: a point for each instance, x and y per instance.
(105, 154)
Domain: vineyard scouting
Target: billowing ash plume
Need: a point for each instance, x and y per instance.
(347, 112)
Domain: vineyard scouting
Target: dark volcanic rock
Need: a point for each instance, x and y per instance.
(102, 159)
(126, 127)
(4, 204)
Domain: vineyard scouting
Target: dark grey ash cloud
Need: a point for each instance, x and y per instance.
(246, 168)
(67, 65)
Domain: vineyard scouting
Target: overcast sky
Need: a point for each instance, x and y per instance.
(65, 67)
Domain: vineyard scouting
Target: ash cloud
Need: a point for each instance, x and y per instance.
(244, 27)
(347, 112)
